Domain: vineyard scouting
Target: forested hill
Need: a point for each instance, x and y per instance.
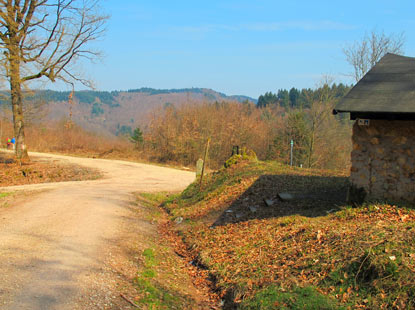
(115, 111)
(120, 112)
(110, 98)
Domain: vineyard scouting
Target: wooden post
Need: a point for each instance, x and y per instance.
(204, 161)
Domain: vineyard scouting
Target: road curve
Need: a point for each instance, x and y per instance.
(52, 245)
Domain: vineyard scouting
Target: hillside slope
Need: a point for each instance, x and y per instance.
(311, 252)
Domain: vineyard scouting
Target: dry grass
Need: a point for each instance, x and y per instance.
(356, 257)
(59, 138)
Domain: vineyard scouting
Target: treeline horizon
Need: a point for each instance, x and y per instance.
(108, 97)
(294, 97)
(299, 98)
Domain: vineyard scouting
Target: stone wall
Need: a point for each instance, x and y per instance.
(383, 161)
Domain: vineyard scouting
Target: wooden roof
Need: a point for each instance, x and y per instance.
(388, 88)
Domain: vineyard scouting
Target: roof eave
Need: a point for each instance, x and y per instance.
(402, 116)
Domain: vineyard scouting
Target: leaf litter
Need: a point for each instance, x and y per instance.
(248, 245)
(41, 171)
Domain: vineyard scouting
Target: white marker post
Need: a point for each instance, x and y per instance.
(291, 156)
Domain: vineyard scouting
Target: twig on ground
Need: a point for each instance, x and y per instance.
(130, 301)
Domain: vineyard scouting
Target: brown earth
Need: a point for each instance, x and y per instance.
(73, 244)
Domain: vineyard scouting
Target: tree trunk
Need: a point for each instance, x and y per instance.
(311, 148)
(1, 128)
(17, 107)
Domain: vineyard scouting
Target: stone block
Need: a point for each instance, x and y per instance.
(374, 141)
(377, 163)
(382, 173)
(357, 147)
(372, 131)
(401, 160)
(400, 140)
(407, 168)
(380, 150)
(391, 133)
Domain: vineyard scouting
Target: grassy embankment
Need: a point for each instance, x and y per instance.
(313, 252)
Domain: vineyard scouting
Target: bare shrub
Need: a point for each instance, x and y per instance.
(179, 134)
(57, 137)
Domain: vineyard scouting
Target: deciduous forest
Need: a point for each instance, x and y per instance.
(177, 134)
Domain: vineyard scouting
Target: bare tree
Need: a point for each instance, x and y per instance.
(364, 54)
(44, 39)
(321, 104)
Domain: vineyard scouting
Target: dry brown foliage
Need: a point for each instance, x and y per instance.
(61, 138)
(179, 134)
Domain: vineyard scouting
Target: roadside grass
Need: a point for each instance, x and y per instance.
(312, 249)
(5, 198)
(9, 199)
(3, 195)
(163, 280)
(154, 295)
(152, 199)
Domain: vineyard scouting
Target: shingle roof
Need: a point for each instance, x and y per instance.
(389, 87)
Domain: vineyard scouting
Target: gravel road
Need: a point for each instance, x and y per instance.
(54, 246)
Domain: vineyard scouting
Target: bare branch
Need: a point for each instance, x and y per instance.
(363, 55)
(44, 39)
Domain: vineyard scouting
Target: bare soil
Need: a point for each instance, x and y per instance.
(74, 245)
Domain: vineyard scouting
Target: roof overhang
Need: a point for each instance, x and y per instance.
(379, 116)
(387, 91)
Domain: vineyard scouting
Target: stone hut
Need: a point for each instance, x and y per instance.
(382, 104)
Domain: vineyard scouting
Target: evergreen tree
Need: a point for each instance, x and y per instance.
(294, 94)
(137, 137)
(284, 98)
(267, 99)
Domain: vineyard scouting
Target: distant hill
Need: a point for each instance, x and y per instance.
(119, 111)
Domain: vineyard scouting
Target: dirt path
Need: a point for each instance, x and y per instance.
(54, 247)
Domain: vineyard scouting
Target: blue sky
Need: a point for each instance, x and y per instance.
(238, 47)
